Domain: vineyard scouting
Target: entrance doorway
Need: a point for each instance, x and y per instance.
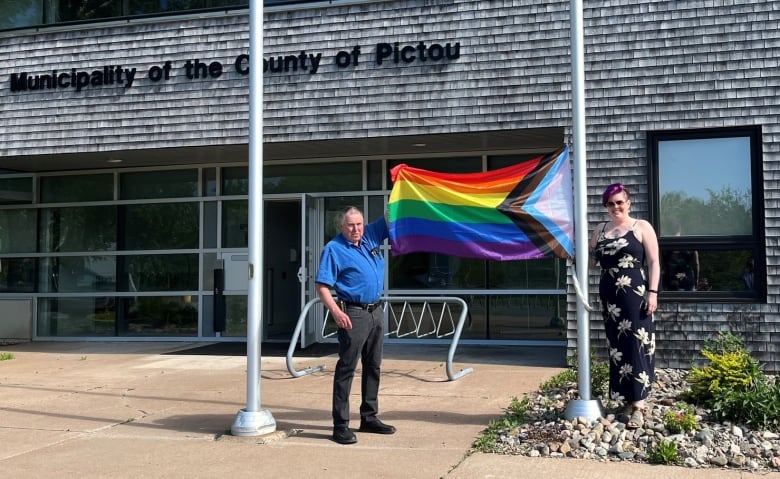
(281, 262)
(291, 225)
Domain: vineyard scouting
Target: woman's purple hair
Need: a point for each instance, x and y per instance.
(614, 189)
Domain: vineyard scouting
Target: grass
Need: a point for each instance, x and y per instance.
(515, 415)
(6, 356)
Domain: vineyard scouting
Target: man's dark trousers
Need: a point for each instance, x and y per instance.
(363, 342)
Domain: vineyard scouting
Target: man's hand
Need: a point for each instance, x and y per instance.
(341, 318)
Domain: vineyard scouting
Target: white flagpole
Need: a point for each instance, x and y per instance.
(584, 407)
(252, 421)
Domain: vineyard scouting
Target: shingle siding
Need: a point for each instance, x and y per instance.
(650, 65)
(667, 65)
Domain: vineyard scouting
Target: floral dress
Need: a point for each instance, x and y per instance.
(630, 331)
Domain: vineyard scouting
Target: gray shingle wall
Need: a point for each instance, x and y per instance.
(112, 117)
(511, 73)
(650, 65)
(667, 65)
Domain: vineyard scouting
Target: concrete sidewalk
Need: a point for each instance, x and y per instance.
(122, 410)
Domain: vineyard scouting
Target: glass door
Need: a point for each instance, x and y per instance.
(312, 224)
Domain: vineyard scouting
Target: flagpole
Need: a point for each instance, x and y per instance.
(252, 421)
(584, 407)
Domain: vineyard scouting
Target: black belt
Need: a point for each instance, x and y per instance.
(368, 307)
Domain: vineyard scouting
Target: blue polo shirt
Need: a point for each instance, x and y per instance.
(356, 272)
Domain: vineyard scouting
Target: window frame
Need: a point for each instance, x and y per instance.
(754, 242)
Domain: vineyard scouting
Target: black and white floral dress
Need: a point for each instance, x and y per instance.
(630, 331)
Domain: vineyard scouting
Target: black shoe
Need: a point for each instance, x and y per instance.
(376, 426)
(343, 435)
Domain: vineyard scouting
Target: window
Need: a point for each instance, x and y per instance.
(16, 190)
(158, 184)
(27, 13)
(299, 178)
(18, 230)
(707, 208)
(159, 226)
(78, 228)
(21, 13)
(76, 188)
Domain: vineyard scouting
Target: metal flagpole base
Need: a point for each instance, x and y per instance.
(590, 410)
(253, 423)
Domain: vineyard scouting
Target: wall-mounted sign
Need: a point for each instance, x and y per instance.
(382, 56)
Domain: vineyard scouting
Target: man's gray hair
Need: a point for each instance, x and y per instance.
(344, 212)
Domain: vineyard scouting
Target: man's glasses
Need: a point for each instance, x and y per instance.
(612, 204)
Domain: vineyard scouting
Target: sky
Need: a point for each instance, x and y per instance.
(693, 166)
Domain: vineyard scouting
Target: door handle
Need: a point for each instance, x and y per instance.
(301, 274)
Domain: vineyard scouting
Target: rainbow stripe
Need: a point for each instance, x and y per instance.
(519, 212)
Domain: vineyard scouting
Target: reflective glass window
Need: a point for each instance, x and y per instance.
(435, 271)
(708, 270)
(21, 13)
(26, 13)
(72, 188)
(235, 181)
(235, 224)
(75, 10)
(159, 226)
(16, 191)
(67, 274)
(707, 207)
(17, 275)
(76, 317)
(18, 230)
(78, 228)
(158, 272)
(158, 316)
(314, 177)
(158, 184)
(297, 178)
(235, 316)
(528, 317)
(548, 273)
(719, 202)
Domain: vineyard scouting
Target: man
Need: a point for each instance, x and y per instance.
(352, 264)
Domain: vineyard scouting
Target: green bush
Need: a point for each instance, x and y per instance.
(758, 404)
(726, 372)
(724, 342)
(733, 386)
(680, 418)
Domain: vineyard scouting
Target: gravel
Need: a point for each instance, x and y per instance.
(712, 445)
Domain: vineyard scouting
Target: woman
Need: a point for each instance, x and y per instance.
(622, 246)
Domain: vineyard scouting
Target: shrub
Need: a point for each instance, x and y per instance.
(665, 452)
(733, 386)
(724, 342)
(758, 405)
(680, 418)
(728, 371)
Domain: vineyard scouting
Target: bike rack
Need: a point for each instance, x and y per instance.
(407, 311)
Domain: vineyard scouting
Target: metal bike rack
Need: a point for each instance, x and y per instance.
(407, 311)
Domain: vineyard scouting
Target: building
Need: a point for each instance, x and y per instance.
(124, 156)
